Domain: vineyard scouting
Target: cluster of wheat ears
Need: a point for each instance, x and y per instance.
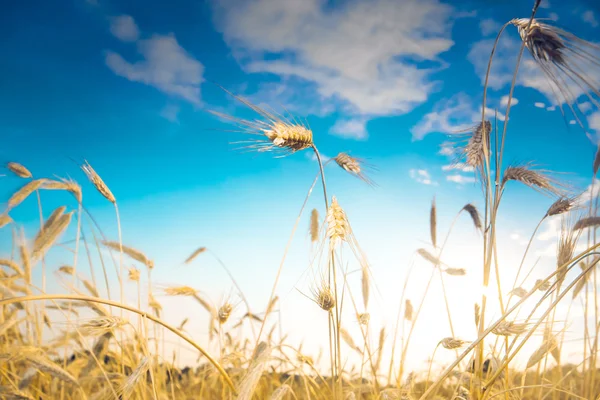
(117, 351)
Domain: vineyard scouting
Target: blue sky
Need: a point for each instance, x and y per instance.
(126, 85)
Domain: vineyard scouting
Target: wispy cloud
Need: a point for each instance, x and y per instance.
(489, 26)
(460, 179)
(170, 112)
(504, 101)
(124, 28)
(539, 104)
(365, 56)
(422, 176)
(354, 128)
(165, 65)
(590, 18)
(451, 116)
(458, 167)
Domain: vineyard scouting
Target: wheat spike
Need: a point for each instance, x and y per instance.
(474, 213)
(180, 291)
(125, 390)
(12, 265)
(538, 180)
(100, 325)
(280, 392)
(9, 393)
(131, 252)
(561, 206)
(519, 292)
(547, 346)
(353, 166)
(5, 220)
(582, 282)
(456, 271)
(565, 61)
(255, 371)
(98, 183)
(349, 341)
(338, 227)
(477, 314)
(365, 284)
(323, 296)
(433, 223)
(474, 150)
(65, 184)
(195, 254)
(133, 274)
(56, 214)
(380, 345)
(543, 285)
(26, 262)
(587, 222)
(49, 236)
(565, 250)
(451, 343)
(408, 310)
(19, 170)
(20, 195)
(509, 328)
(52, 369)
(224, 312)
(429, 257)
(364, 318)
(155, 305)
(314, 225)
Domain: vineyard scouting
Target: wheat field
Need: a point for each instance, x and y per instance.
(87, 342)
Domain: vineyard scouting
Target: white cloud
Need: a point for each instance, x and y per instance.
(458, 166)
(165, 65)
(594, 121)
(551, 229)
(551, 108)
(553, 16)
(590, 18)
(170, 112)
(585, 107)
(504, 101)
(354, 128)
(539, 104)
(488, 26)
(422, 176)
(364, 55)
(451, 116)
(460, 179)
(124, 28)
(515, 236)
(448, 149)
(572, 122)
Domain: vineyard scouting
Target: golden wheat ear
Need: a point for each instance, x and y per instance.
(277, 133)
(565, 60)
(355, 166)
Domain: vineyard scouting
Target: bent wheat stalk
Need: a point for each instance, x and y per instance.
(21, 299)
